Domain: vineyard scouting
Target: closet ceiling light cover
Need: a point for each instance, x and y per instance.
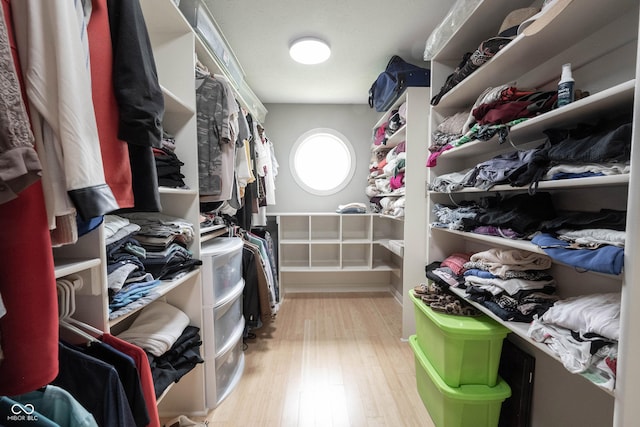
(309, 50)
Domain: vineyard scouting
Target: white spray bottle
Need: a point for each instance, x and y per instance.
(565, 86)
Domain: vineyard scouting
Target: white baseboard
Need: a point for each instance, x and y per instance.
(317, 288)
(397, 295)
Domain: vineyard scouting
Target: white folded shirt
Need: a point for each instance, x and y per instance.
(157, 328)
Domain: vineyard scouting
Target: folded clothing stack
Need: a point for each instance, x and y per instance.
(355, 207)
(171, 344)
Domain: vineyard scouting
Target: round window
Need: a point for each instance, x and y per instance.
(322, 161)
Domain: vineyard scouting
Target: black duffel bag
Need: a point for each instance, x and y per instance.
(390, 84)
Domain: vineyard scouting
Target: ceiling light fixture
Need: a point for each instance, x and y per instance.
(309, 50)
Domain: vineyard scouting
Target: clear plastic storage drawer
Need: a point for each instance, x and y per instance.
(227, 318)
(223, 324)
(221, 269)
(223, 374)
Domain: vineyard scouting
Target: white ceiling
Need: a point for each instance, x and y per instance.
(363, 35)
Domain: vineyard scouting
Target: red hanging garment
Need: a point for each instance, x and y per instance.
(115, 153)
(29, 330)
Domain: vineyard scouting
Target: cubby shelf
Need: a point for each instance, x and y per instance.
(336, 246)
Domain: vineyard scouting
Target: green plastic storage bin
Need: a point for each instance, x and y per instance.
(463, 350)
(464, 406)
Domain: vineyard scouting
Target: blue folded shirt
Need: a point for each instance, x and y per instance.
(605, 259)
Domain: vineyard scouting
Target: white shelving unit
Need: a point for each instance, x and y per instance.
(337, 252)
(174, 44)
(415, 132)
(600, 40)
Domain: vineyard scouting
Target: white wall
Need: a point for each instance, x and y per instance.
(286, 122)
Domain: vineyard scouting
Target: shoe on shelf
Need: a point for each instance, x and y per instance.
(184, 421)
(437, 298)
(428, 288)
(456, 308)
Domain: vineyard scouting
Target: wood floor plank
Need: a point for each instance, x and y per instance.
(327, 360)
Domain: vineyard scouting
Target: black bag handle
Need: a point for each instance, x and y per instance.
(371, 92)
(394, 59)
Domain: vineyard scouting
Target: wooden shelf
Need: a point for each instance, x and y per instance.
(399, 136)
(65, 267)
(523, 245)
(574, 183)
(386, 243)
(177, 191)
(618, 98)
(385, 116)
(162, 289)
(615, 99)
(208, 233)
(522, 330)
(572, 23)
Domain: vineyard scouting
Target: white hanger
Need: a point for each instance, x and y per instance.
(86, 326)
(66, 288)
(78, 331)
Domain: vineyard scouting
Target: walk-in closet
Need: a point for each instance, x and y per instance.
(431, 223)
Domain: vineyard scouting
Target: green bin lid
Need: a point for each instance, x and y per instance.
(463, 325)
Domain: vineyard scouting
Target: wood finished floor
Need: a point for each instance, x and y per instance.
(327, 360)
